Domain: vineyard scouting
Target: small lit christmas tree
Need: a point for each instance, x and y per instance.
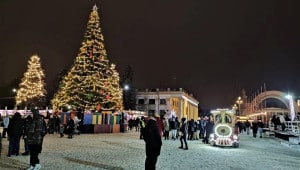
(87, 84)
(31, 90)
(116, 93)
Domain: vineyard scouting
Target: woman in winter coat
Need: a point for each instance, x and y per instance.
(35, 135)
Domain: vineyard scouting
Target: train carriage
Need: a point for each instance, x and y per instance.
(224, 133)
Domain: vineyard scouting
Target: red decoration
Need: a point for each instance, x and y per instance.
(108, 97)
(100, 58)
(91, 55)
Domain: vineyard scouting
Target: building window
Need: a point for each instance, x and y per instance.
(151, 101)
(162, 113)
(151, 112)
(163, 101)
(141, 101)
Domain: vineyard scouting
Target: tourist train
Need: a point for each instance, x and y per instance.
(224, 132)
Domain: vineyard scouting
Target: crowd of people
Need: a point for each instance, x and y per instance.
(154, 128)
(170, 128)
(32, 128)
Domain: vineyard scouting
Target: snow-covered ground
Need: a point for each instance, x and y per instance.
(126, 151)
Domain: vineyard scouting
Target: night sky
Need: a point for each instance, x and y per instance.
(211, 48)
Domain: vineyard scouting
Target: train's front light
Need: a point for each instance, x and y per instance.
(223, 130)
(235, 137)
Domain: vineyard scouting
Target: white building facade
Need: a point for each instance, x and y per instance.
(167, 103)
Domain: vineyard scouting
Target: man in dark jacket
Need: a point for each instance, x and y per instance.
(35, 135)
(153, 142)
(254, 128)
(71, 128)
(15, 131)
(208, 130)
(184, 131)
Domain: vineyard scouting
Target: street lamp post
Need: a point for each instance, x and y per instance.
(239, 101)
(14, 90)
(234, 107)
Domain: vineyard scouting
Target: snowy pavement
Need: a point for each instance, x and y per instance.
(125, 151)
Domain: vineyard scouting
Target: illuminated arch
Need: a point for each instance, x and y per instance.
(272, 94)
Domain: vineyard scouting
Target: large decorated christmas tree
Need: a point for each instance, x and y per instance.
(31, 92)
(92, 80)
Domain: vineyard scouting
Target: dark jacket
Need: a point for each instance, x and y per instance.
(36, 129)
(71, 125)
(152, 138)
(254, 127)
(260, 124)
(27, 124)
(16, 125)
(209, 128)
(173, 124)
(184, 128)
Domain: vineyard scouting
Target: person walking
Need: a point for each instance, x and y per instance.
(166, 128)
(183, 131)
(254, 128)
(152, 138)
(282, 122)
(208, 130)
(260, 126)
(70, 128)
(35, 135)
(202, 125)
(61, 130)
(5, 125)
(247, 125)
(173, 126)
(142, 126)
(191, 129)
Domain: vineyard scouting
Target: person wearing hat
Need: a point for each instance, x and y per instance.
(183, 130)
(153, 142)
